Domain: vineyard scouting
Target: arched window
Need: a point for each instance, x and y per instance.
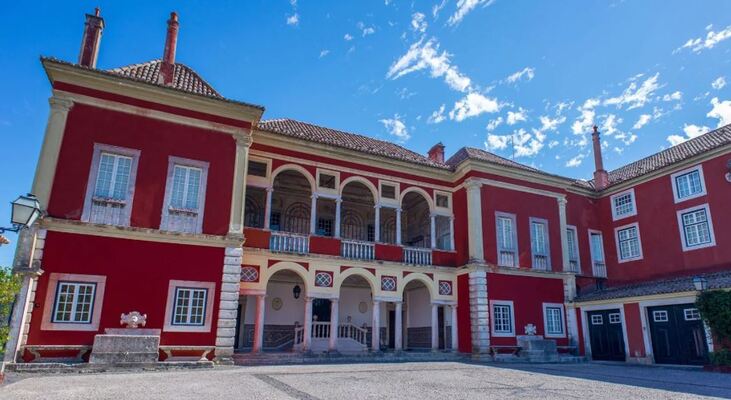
(353, 226)
(253, 213)
(297, 218)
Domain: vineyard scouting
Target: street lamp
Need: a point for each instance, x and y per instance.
(700, 283)
(25, 211)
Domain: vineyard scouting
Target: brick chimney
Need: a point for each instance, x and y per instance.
(167, 68)
(90, 42)
(436, 153)
(601, 177)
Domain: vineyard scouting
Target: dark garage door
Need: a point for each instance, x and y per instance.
(605, 332)
(677, 333)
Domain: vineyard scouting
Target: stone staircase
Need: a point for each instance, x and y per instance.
(250, 359)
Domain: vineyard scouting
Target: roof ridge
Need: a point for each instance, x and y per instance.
(135, 65)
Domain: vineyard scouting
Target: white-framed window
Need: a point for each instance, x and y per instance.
(185, 194)
(540, 249)
(73, 302)
(623, 204)
(328, 181)
(596, 247)
(691, 314)
(688, 184)
(660, 316)
(696, 228)
(507, 239)
(503, 318)
(553, 320)
(597, 319)
(629, 245)
(189, 306)
(615, 318)
(258, 171)
(111, 185)
(573, 242)
(442, 199)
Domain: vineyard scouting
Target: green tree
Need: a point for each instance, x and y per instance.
(9, 287)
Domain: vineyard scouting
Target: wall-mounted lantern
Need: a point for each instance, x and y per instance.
(24, 212)
(700, 283)
(296, 291)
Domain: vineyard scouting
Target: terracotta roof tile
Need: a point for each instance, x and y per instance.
(184, 78)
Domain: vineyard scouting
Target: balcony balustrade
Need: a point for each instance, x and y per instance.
(358, 250)
(285, 242)
(417, 256)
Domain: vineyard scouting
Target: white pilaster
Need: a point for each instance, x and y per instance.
(564, 233)
(474, 220)
(479, 312)
(268, 208)
(238, 195)
(455, 332)
(259, 324)
(338, 207)
(398, 227)
(433, 230)
(376, 330)
(50, 149)
(451, 233)
(398, 329)
(434, 327)
(228, 305)
(377, 223)
(313, 214)
(307, 340)
(334, 322)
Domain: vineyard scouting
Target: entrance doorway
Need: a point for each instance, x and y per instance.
(321, 310)
(678, 335)
(607, 338)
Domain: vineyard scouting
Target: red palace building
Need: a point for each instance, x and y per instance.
(235, 234)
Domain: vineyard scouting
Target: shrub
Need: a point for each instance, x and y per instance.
(720, 357)
(9, 287)
(715, 308)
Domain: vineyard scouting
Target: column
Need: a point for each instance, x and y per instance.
(451, 233)
(377, 223)
(268, 208)
(474, 220)
(434, 327)
(564, 233)
(313, 214)
(433, 231)
(334, 322)
(398, 331)
(338, 207)
(307, 325)
(238, 195)
(376, 329)
(479, 312)
(258, 324)
(455, 332)
(50, 149)
(398, 227)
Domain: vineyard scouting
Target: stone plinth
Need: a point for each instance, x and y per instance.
(537, 349)
(126, 346)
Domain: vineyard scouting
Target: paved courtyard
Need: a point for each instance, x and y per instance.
(423, 381)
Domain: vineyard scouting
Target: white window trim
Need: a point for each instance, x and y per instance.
(703, 192)
(591, 249)
(543, 221)
(100, 148)
(492, 319)
(259, 181)
(616, 217)
(545, 320)
(576, 240)
(334, 191)
(169, 307)
(639, 242)
(397, 193)
(710, 227)
(185, 162)
(449, 199)
(515, 237)
(47, 324)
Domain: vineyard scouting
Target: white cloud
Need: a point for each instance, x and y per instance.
(293, 19)
(576, 161)
(494, 123)
(418, 22)
(548, 124)
(528, 72)
(472, 105)
(635, 96)
(609, 126)
(712, 39)
(437, 116)
(464, 7)
(515, 117)
(676, 140)
(642, 121)
(368, 31)
(348, 37)
(396, 127)
(720, 110)
(691, 131)
(438, 7)
(323, 53)
(675, 96)
(719, 83)
(524, 144)
(553, 144)
(425, 55)
(497, 142)
(586, 121)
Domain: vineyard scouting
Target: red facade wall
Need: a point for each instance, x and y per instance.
(461, 238)
(634, 330)
(389, 252)
(324, 245)
(157, 140)
(463, 314)
(581, 212)
(257, 238)
(137, 273)
(444, 258)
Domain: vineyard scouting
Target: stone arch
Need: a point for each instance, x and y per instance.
(367, 183)
(298, 168)
(419, 277)
(415, 189)
(293, 267)
(366, 275)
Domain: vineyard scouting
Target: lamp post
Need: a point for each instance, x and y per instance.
(24, 212)
(700, 283)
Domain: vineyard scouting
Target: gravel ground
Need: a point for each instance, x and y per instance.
(423, 381)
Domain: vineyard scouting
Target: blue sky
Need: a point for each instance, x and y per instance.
(525, 79)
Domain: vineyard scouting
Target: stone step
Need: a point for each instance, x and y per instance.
(309, 358)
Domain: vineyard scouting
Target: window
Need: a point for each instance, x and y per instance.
(324, 227)
(599, 267)
(507, 240)
(573, 243)
(629, 246)
(623, 204)
(190, 306)
(539, 244)
(597, 319)
(502, 318)
(257, 168)
(696, 228)
(185, 195)
(660, 316)
(110, 189)
(388, 191)
(615, 318)
(326, 181)
(442, 200)
(692, 314)
(688, 184)
(553, 320)
(74, 302)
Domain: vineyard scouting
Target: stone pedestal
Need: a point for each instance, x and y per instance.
(537, 349)
(126, 346)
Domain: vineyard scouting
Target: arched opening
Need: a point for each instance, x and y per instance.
(415, 221)
(291, 203)
(254, 207)
(357, 220)
(355, 316)
(419, 319)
